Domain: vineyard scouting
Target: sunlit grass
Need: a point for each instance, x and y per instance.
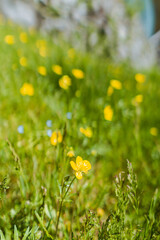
(57, 103)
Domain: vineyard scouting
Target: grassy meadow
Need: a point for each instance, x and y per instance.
(58, 106)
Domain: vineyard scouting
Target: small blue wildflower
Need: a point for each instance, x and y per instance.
(49, 123)
(20, 129)
(69, 115)
(49, 132)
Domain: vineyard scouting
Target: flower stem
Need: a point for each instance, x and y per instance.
(61, 204)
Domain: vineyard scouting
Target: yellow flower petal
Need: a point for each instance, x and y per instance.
(42, 70)
(116, 84)
(78, 175)
(74, 166)
(86, 166)
(79, 162)
(110, 91)
(57, 69)
(108, 113)
(78, 73)
(140, 78)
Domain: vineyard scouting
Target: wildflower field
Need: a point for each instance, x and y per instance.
(79, 143)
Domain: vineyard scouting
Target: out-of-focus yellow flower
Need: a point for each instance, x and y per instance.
(57, 69)
(43, 51)
(42, 70)
(23, 61)
(65, 82)
(80, 166)
(23, 37)
(70, 154)
(154, 131)
(78, 73)
(94, 152)
(110, 91)
(56, 138)
(108, 113)
(9, 39)
(140, 78)
(41, 43)
(137, 100)
(71, 53)
(116, 84)
(87, 131)
(100, 212)
(27, 89)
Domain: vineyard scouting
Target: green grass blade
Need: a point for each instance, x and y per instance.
(2, 236)
(42, 225)
(27, 233)
(15, 233)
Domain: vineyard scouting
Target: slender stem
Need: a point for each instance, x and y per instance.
(61, 204)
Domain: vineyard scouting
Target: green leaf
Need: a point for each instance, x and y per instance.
(27, 233)
(15, 233)
(42, 225)
(2, 236)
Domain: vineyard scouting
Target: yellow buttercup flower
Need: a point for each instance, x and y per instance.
(65, 82)
(87, 131)
(154, 131)
(108, 113)
(137, 99)
(116, 84)
(43, 51)
(23, 37)
(70, 154)
(57, 69)
(100, 212)
(42, 70)
(78, 73)
(9, 39)
(140, 78)
(23, 61)
(81, 166)
(27, 89)
(56, 138)
(110, 91)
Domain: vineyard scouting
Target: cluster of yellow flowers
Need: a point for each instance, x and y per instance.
(81, 166)
(108, 113)
(65, 82)
(27, 89)
(114, 84)
(87, 131)
(56, 138)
